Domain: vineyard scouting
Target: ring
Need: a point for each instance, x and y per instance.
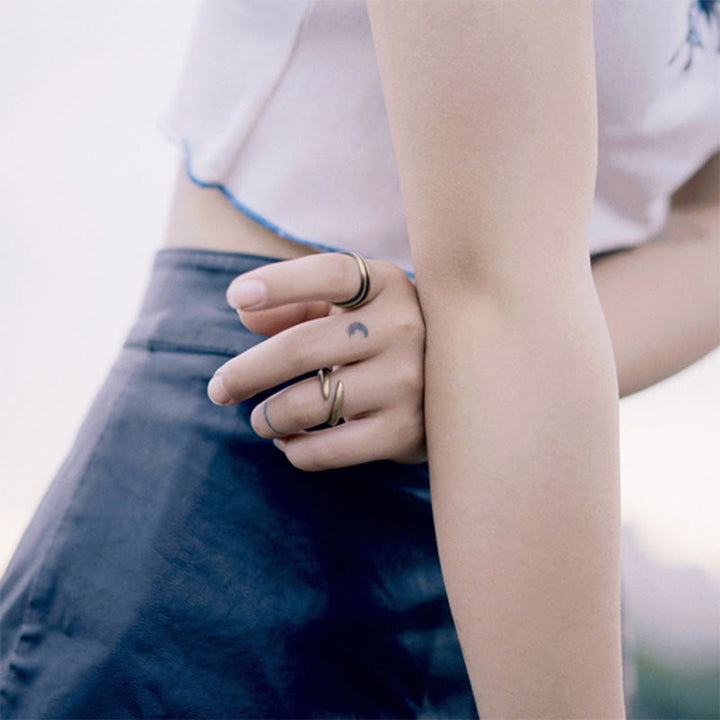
(324, 376)
(361, 295)
(334, 418)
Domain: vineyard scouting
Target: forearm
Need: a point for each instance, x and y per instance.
(521, 392)
(662, 300)
(522, 441)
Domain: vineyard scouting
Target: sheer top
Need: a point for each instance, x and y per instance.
(280, 104)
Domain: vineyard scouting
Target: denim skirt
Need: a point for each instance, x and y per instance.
(180, 567)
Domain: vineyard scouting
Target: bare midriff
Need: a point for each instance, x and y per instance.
(204, 218)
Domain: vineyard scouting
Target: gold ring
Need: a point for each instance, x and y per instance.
(324, 376)
(361, 295)
(337, 404)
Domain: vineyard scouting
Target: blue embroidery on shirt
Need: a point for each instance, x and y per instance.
(707, 10)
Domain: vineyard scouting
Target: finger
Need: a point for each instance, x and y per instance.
(325, 342)
(271, 322)
(359, 441)
(333, 277)
(302, 406)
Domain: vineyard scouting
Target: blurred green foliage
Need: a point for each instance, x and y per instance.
(673, 690)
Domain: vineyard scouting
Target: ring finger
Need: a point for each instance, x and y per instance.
(302, 405)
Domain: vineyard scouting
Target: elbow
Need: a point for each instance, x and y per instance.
(550, 293)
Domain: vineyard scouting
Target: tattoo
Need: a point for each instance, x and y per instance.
(357, 327)
(267, 420)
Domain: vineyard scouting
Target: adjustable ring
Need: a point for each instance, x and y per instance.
(361, 295)
(324, 377)
(334, 418)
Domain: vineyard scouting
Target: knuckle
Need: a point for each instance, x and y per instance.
(395, 278)
(409, 381)
(395, 273)
(409, 426)
(417, 431)
(410, 326)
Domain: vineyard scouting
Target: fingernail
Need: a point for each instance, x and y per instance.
(279, 444)
(216, 391)
(247, 294)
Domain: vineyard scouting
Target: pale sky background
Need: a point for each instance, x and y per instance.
(85, 180)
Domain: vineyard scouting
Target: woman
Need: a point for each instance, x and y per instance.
(252, 590)
(653, 335)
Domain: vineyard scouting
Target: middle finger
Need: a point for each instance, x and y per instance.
(334, 340)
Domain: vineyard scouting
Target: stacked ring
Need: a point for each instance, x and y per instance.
(324, 377)
(334, 418)
(361, 295)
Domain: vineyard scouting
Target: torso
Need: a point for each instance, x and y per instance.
(203, 218)
(300, 136)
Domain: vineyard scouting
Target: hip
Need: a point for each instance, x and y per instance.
(180, 566)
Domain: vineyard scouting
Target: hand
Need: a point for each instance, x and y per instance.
(376, 350)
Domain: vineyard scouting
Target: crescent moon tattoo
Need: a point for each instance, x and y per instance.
(357, 327)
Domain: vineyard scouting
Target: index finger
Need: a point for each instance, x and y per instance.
(333, 277)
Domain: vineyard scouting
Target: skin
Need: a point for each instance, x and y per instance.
(625, 281)
(522, 634)
(654, 335)
(377, 355)
(520, 384)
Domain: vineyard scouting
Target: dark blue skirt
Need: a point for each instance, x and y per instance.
(180, 567)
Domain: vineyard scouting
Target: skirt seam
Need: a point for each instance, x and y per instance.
(176, 347)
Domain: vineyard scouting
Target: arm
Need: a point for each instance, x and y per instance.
(521, 395)
(662, 299)
(654, 335)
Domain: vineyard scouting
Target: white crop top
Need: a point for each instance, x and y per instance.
(280, 106)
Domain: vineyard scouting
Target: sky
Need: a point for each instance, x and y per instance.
(85, 183)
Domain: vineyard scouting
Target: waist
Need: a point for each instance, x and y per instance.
(184, 308)
(203, 218)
